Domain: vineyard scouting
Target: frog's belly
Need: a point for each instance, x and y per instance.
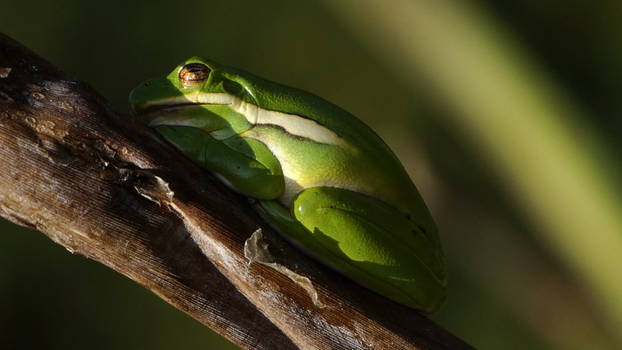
(307, 162)
(316, 172)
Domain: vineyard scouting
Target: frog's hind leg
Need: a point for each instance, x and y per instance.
(367, 240)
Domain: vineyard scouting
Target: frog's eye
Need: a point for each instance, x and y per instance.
(193, 74)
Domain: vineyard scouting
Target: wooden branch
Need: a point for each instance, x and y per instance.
(86, 176)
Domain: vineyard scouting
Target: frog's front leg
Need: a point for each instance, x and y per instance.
(245, 165)
(365, 238)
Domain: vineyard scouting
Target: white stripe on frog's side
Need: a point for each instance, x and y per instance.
(292, 124)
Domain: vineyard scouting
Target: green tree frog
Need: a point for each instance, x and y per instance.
(319, 175)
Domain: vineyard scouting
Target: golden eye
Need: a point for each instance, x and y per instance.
(193, 74)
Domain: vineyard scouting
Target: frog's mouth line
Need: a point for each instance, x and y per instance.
(158, 108)
(160, 114)
(167, 114)
(155, 108)
(195, 98)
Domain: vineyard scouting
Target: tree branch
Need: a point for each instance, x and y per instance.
(86, 176)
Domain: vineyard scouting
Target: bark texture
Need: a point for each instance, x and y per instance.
(82, 173)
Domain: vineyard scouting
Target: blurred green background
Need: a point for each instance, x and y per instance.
(505, 113)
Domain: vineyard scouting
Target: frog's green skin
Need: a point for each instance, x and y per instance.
(323, 178)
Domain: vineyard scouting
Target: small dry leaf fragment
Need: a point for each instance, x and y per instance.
(5, 71)
(256, 250)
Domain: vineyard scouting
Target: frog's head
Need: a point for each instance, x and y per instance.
(195, 81)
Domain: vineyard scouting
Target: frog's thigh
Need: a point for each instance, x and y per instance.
(372, 242)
